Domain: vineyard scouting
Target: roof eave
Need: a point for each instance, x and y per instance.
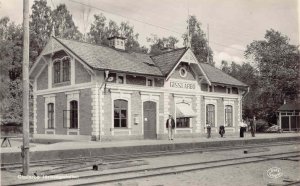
(121, 71)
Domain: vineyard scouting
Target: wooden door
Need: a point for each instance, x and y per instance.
(149, 120)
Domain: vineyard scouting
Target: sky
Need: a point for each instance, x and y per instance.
(230, 24)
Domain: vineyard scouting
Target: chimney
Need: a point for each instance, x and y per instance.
(284, 101)
(117, 42)
(167, 47)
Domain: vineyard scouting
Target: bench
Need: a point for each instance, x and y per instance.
(6, 140)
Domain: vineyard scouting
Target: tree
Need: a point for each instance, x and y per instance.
(64, 25)
(132, 43)
(198, 42)
(248, 75)
(98, 31)
(11, 69)
(40, 28)
(277, 62)
(159, 45)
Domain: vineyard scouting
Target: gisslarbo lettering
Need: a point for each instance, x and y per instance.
(29, 177)
(182, 85)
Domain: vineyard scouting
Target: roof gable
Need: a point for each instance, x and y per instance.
(168, 60)
(218, 76)
(290, 107)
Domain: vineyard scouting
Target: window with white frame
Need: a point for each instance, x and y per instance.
(120, 79)
(120, 113)
(210, 114)
(149, 82)
(228, 116)
(228, 90)
(61, 70)
(50, 107)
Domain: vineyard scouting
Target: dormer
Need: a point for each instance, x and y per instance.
(117, 42)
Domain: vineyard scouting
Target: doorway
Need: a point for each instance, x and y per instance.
(149, 120)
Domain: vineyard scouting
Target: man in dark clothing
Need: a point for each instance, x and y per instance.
(222, 131)
(170, 125)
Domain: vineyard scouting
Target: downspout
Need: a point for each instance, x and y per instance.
(99, 93)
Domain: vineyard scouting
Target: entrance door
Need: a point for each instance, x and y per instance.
(149, 120)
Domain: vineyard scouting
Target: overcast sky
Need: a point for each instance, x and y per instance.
(232, 23)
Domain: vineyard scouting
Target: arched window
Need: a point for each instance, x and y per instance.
(228, 116)
(66, 69)
(74, 114)
(57, 73)
(61, 68)
(210, 114)
(50, 115)
(120, 113)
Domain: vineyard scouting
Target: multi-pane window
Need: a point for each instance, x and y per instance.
(210, 88)
(57, 73)
(182, 122)
(149, 82)
(120, 79)
(120, 113)
(66, 69)
(228, 116)
(74, 114)
(228, 90)
(210, 114)
(61, 70)
(50, 115)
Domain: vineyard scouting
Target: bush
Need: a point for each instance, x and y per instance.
(261, 125)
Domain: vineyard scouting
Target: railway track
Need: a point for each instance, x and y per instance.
(94, 178)
(79, 160)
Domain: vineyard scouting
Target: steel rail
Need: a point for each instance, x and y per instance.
(72, 161)
(263, 158)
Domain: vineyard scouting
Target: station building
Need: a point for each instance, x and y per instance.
(92, 92)
(289, 116)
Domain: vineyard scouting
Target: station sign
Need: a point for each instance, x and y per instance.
(179, 84)
(183, 85)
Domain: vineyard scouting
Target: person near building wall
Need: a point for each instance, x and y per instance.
(243, 126)
(170, 124)
(222, 130)
(208, 128)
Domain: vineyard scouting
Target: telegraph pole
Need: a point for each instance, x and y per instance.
(25, 70)
(207, 43)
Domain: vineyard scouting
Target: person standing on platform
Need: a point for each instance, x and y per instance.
(208, 128)
(242, 128)
(170, 124)
(222, 130)
(252, 127)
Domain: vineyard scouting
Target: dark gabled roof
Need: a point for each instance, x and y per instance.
(106, 58)
(101, 57)
(290, 107)
(167, 61)
(218, 76)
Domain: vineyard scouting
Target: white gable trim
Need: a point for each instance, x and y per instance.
(189, 58)
(70, 53)
(40, 56)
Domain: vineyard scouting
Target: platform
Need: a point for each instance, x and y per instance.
(73, 149)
